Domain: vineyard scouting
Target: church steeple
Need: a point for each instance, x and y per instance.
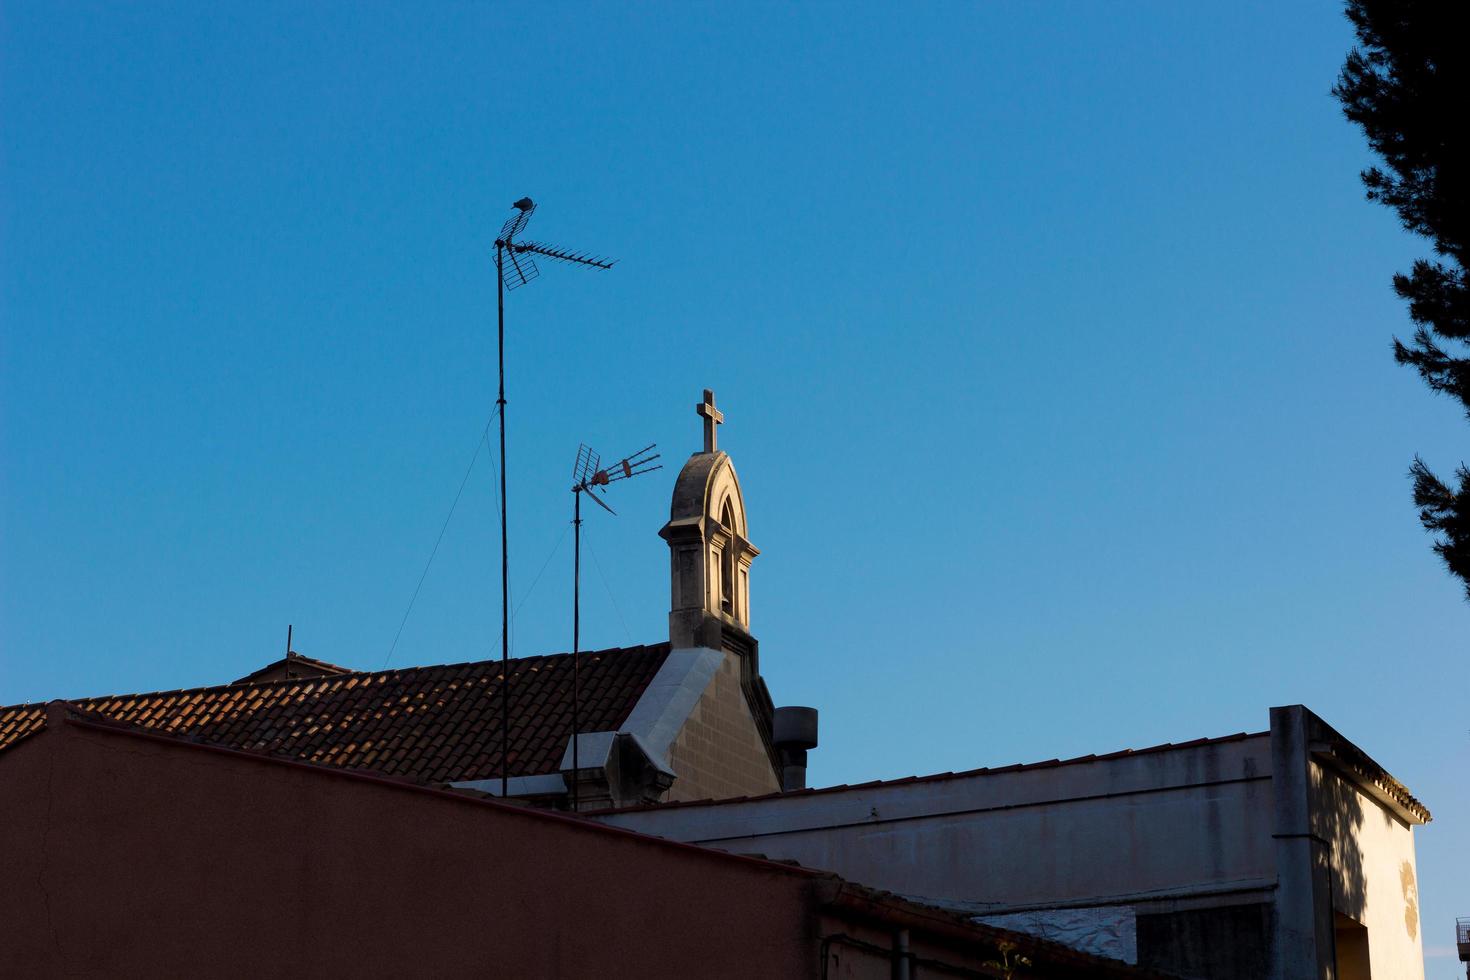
(709, 551)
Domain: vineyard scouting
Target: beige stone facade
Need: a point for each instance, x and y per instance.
(719, 752)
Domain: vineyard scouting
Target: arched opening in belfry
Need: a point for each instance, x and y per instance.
(727, 569)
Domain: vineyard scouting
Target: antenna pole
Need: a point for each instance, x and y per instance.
(522, 270)
(589, 475)
(576, 638)
(504, 546)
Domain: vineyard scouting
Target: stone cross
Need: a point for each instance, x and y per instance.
(712, 418)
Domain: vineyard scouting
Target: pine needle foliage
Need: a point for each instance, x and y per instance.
(1407, 86)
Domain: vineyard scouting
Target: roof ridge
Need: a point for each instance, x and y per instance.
(937, 776)
(101, 720)
(347, 672)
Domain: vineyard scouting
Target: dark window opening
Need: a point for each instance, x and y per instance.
(727, 563)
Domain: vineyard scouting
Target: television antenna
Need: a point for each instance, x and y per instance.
(521, 270)
(590, 478)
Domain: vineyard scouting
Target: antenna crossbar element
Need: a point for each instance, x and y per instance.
(518, 271)
(562, 254)
(517, 222)
(587, 475)
(634, 465)
(587, 464)
(598, 501)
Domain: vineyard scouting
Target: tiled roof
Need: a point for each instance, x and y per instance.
(437, 724)
(18, 722)
(293, 664)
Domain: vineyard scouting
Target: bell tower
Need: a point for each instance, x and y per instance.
(709, 551)
(709, 580)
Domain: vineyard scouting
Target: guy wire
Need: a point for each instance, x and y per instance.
(484, 433)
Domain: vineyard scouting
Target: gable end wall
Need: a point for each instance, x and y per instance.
(719, 752)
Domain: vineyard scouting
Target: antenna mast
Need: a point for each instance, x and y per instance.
(521, 270)
(587, 474)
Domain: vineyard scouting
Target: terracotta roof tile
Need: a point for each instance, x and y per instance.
(18, 722)
(437, 724)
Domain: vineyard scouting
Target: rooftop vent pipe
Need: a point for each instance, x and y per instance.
(794, 731)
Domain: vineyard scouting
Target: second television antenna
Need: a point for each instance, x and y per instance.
(588, 477)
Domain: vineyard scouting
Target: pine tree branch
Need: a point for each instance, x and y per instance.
(1405, 85)
(1445, 512)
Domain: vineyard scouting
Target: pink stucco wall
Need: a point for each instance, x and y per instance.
(123, 855)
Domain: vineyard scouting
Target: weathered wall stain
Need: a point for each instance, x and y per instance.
(1411, 898)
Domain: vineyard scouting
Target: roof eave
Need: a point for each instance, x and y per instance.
(1372, 779)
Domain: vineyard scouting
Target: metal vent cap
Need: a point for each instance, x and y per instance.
(795, 727)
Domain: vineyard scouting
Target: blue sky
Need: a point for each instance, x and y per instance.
(1053, 341)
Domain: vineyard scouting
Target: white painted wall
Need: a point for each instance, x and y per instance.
(1161, 831)
(1374, 872)
(1189, 820)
